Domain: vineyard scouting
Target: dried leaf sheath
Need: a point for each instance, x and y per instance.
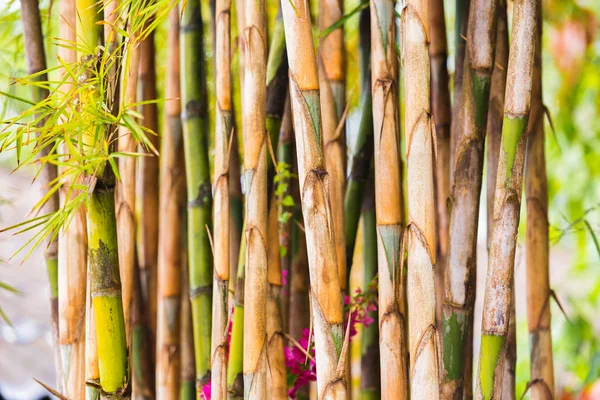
(459, 297)
(221, 214)
(170, 252)
(538, 282)
(255, 185)
(326, 298)
(423, 336)
(499, 283)
(199, 198)
(388, 202)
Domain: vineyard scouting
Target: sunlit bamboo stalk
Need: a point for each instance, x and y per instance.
(538, 280)
(326, 301)
(92, 373)
(235, 379)
(188, 362)
(507, 201)
(171, 250)
(460, 271)
(423, 336)
(195, 139)
(255, 186)
(221, 214)
(388, 201)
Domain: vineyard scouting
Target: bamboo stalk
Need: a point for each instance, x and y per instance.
(388, 202)
(499, 283)
(255, 185)
(538, 280)
(460, 31)
(326, 300)
(92, 373)
(277, 375)
(369, 363)
(235, 380)
(188, 362)
(362, 154)
(103, 261)
(333, 98)
(36, 62)
(460, 274)
(147, 195)
(423, 335)
(221, 217)
(195, 139)
(170, 252)
(442, 116)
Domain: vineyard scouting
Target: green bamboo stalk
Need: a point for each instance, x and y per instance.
(388, 201)
(36, 63)
(221, 217)
(195, 139)
(188, 368)
(538, 280)
(499, 283)
(92, 374)
(460, 32)
(362, 154)
(170, 254)
(423, 335)
(369, 363)
(103, 260)
(459, 298)
(326, 299)
(255, 185)
(235, 380)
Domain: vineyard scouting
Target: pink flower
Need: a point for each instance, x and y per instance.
(205, 392)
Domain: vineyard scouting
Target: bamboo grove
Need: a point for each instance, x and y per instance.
(201, 211)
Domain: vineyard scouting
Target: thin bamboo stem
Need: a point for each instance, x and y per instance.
(460, 274)
(538, 279)
(507, 199)
(423, 335)
(388, 202)
(235, 379)
(195, 138)
(326, 300)
(369, 363)
(188, 362)
(170, 252)
(221, 216)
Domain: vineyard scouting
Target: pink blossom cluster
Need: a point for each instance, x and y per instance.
(300, 373)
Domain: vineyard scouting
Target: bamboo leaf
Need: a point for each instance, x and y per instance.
(340, 22)
(594, 237)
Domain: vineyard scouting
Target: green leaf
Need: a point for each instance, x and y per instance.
(340, 22)
(288, 201)
(594, 237)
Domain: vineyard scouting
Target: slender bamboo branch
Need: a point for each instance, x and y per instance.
(442, 113)
(369, 363)
(326, 301)
(538, 280)
(195, 139)
(170, 252)
(507, 199)
(255, 185)
(459, 297)
(423, 336)
(221, 215)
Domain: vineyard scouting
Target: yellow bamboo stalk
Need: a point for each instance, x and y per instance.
(423, 336)
(91, 371)
(171, 250)
(388, 202)
(326, 301)
(255, 184)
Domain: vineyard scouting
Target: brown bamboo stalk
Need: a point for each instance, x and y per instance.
(221, 213)
(277, 373)
(255, 184)
(171, 250)
(388, 202)
(326, 301)
(460, 274)
(507, 199)
(147, 196)
(538, 279)
(125, 189)
(442, 116)
(423, 336)
(333, 97)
